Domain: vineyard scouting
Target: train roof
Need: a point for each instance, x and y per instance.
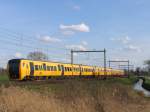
(51, 62)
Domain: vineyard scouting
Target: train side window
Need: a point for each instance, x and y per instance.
(59, 68)
(82, 69)
(44, 66)
(52, 68)
(41, 67)
(55, 69)
(36, 67)
(65, 69)
(48, 68)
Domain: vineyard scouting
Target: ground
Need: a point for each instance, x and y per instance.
(72, 95)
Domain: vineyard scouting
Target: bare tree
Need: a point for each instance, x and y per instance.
(147, 62)
(37, 55)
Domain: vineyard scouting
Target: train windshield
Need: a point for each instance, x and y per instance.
(14, 68)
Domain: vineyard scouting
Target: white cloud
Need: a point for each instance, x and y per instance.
(123, 40)
(126, 44)
(133, 48)
(120, 59)
(67, 32)
(76, 47)
(75, 54)
(49, 39)
(18, 55)
(84, 43)
(76, 7)
(78, 27)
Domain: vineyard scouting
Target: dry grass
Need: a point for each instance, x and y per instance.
(79, 97)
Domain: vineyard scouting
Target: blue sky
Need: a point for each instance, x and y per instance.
(120, 26)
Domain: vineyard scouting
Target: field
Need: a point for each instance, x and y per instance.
(79, 95)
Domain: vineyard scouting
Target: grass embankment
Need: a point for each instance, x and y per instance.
(112, 95)
(4, 79)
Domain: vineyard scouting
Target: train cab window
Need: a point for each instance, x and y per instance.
(36, 67)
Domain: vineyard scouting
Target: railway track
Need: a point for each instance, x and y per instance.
(39, 82)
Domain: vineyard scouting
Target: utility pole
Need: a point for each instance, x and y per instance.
(90, 51)
(114, 61)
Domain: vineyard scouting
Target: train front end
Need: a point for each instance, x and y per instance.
(13, 68)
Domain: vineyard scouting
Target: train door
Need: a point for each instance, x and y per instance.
(62, 68)
(80, 69)
(31, 69)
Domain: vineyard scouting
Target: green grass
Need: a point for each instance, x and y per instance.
(58, 86)
(4, 79)
(90, 84)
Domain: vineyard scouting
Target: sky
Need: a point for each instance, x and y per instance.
(120, 26)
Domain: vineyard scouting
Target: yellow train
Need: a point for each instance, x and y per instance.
(23, 69)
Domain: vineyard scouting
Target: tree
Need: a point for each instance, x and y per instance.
(37, 55)
(147, 62)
